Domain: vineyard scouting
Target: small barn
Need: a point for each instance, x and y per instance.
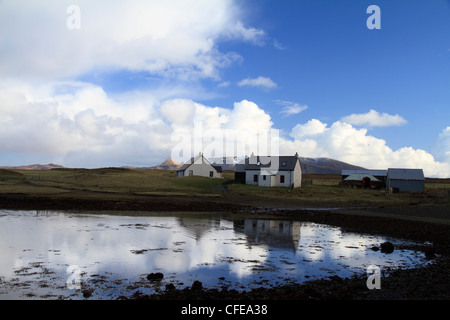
(380, 175)
(362, 180)
(199, 166)
(410, 180)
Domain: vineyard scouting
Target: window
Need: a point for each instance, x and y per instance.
(264, 178)
(281, 179)
(255, 178)
(191, 173)
(211, 174)
(284, 163)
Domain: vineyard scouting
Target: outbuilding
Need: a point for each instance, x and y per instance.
(410, 180)
(199, 166)
(362, 180)
(380, 175)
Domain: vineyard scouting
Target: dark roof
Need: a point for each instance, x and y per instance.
(187, 164)
(406, 174)
(347, 172)
(285, 163)
(204, 161)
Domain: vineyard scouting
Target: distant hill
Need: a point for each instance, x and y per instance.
(309, 165)
(325, 166)
(35, 167)
(169, 164)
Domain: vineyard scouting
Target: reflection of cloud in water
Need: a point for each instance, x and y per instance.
(130, 246)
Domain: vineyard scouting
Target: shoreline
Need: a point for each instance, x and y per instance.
(412, 223)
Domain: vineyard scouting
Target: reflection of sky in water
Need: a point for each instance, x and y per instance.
(247, 253)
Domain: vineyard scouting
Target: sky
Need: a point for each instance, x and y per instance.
(132, 83)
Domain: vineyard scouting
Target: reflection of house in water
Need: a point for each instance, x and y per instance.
(276, 233)
(197, 227)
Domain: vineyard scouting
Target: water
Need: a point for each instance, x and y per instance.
(42, 254)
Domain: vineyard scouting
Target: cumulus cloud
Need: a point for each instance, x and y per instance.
(262, 82)
(219, 132)
(344, 142)
(441, 148)
(45, 115)
(374, 119)
(82, 126)
(176, 37)
(310, 129)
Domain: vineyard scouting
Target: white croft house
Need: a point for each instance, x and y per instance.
(199, 166)
(271, 171)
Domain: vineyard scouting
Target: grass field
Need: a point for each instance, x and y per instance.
(117, 183)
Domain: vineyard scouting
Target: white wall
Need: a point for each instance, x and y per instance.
(290, 177)
(202, 169)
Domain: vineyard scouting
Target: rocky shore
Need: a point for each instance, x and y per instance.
(430, 282)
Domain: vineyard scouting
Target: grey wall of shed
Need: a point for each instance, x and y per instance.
(407, 185)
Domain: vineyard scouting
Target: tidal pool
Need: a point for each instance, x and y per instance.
(55, 255)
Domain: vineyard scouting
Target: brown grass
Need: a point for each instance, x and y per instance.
(108, 183)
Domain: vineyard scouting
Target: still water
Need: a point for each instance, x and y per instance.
(49, 255)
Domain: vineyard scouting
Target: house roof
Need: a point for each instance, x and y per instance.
(186, 165)
(285, 163)
(406, 174)
(193, 159)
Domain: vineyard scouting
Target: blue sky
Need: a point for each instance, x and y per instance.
(310, 68)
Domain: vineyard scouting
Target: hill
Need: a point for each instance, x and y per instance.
(34, 167)
(325, 166)
(169, 164)
(309, 165)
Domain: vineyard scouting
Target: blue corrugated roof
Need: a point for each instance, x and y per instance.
(405, 174)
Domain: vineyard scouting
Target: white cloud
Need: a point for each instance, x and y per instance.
(252, 35)
(374, 119)
(263, 82)
(278, 45)
(343, 142)
(311, 128)
(441, 148)
(82, 126)
(290, 108)
(177, 37)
